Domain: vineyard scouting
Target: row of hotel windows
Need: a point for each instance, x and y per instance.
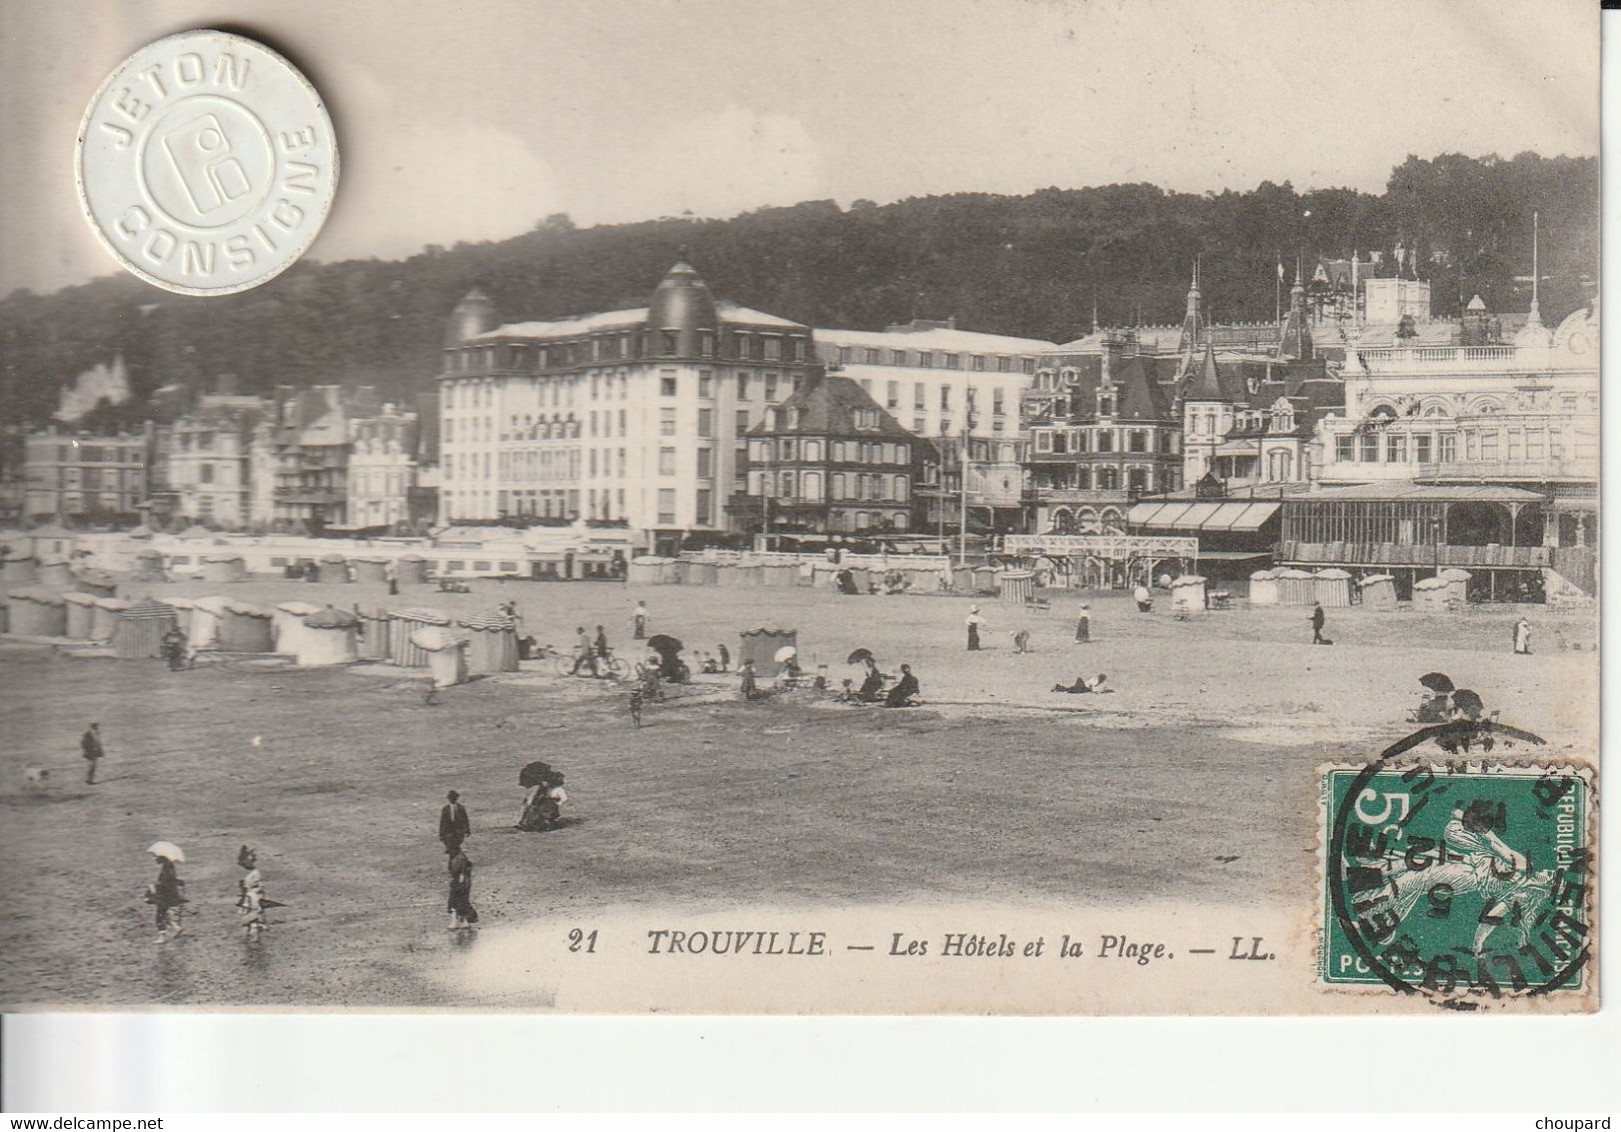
(92, 479)
(608, 347)
(1075, 441)
(806, 487)
(839, 451)
(133, 453)
(1086, 478)
(926, 359)
(1207, 424)
(920, 396)
(1443, 447)
(610, 387)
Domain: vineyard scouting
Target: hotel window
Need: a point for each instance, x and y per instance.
(1029, 365)
(787, 449)
(872, 356)
(811, 487)
(593, 461)
(706, 343)
(667, 422)
(1556, 444)
(919, 424)
(945, 398)
(1345, 449)
(1514, 444)
(897, 357)
(1060, 443)
(844, 355)
(1137, 479)
(666, 461)
(742, 387)
(1536, 444)
(1138, 440)
(773, 349)
(925, 358)
(979, 362)
(945, 426)
(742, 421)
(1489, 444)
(667, 341)
(706, 383)
(953, 361)
(813, 450)
(998, 402)
(666, 505)
(892, 395)
(1044, 441)
(701, 506)
(1083, 478)
(770, 387)
(758, 349)
(835, 486)
(742, 341)
(1105, 440)
(621, 422)
(1396, 448)
(706, 422)
(1423, 447)
(1369, 453)
(1004, 364)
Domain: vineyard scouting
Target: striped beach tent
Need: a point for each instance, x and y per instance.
(139, 635)
(492, 643)
(329, 636)
(402, 624)
(445, 650)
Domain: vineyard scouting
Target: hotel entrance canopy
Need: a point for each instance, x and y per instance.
(1205, 516)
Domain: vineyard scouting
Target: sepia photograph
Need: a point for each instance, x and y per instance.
(986, 507)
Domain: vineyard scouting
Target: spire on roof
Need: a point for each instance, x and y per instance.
(1204, 383)
(1189, 340)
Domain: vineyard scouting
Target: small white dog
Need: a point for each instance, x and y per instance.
(36, 777)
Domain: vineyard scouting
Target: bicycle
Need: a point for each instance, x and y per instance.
(595, 665)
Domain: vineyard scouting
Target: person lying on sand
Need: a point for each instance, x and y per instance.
(1082, 684)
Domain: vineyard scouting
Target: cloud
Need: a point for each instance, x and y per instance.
(409, 178)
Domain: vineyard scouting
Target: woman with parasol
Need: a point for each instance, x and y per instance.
(671, 667)
(543, 799)
(1436, 707)
(167, 896)
(872, 685)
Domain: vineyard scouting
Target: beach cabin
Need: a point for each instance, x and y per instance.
(373, 634)
(1188, 593)
(36, 612)
(762, 645)
(1379, 592)
(19, 568)
(492, 643)
(328, 636)
(223, 568)
(444, 652)
(149, 566)
(287, 625)
(332, 568)
(402, 624)
(55, 572)
(1296, 587)
(104, 617)
(410, 569)
(1264, 587)
(1017, 586)
(1430, 595)
(141, 628)
(81, 615)
(246, 626)
(207, 615)
(99, 582)
(370, 571)
(1331, 588)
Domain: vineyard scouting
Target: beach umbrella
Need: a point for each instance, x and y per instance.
(537, 774)
(659, 642)
(860, 655)
(1469, 703)
(785, 654)
(168, 850)
(1437, 682)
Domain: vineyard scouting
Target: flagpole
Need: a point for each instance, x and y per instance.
(1277, 291)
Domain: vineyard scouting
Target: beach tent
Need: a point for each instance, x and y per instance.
(332, 568)
(402, 624)
(780, 574)
(1296, 587)
(1430, 595)
(184, 607)
(1188, 593)
(223, 568)
(1264, 587)
(411, 569)
(81, 615)
(246, 627)
(962, 579)
(985, 580)
(645, 570)
(445, 653)
(36, 612)
(141, 628)
(702, 574)
(149, 566)
(19, 568)
(99, 582)
(726, 574)
(761, 645)
(492, 643)
(287, 625)
(207, 615)
(329, 636)
(104, 617)
(1457, 583)
(861, 579)
(374, 634)
(1379, 591)
(1016, 586)
(372, 571)
(1332, 587)
(673, 572)
(56, 572)
(750, 574)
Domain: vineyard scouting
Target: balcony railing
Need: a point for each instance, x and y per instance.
(1417, 554)
(1445, 359)
(1556, 468)
(1078, 495)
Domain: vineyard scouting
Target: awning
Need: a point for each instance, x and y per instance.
(1232, 555)
(1236, 515)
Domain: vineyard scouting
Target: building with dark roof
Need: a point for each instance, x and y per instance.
(830, 460)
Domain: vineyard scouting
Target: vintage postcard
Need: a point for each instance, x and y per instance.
(800, 508)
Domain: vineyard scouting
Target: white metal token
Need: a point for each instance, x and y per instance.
(206, 163)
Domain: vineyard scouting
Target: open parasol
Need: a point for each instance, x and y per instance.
(1437, 682)
(785, 654)
(860, 655)
(1469, 703)
(538, 774)
(168, 850)
(660, 642)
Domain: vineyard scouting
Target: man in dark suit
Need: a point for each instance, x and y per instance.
(90, 745)
(454, 824)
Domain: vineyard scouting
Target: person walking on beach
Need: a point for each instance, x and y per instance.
(166, 895)
(454, 824)
(250, 900)
(460, 903)
(600, 646)
(1144, 599)
(725, 657)
(1083, 625)
(90, 747)
(639, 620)
(746, 684)
(1522, 637)
(1317, 621)
(974, 622)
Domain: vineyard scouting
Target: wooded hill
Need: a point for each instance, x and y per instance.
(1030, 265)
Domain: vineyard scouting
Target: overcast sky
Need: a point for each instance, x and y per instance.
(471, 120)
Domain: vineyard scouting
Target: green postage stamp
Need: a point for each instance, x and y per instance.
(1466, 880)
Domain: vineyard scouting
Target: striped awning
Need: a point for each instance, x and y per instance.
(491, 621)
(1232, 515)
(426, 616)
(147, 609)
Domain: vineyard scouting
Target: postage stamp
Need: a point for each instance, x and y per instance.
(1468, 879)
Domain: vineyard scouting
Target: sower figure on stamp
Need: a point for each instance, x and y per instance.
(90, 747)
(454, 824)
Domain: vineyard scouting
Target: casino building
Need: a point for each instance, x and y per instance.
(636, 417)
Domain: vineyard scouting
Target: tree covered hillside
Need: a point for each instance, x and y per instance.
(1031, 265)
